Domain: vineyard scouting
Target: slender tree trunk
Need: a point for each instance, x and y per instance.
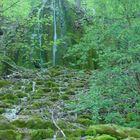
(78, 4)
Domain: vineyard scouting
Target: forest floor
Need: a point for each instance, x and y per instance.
(36, 105)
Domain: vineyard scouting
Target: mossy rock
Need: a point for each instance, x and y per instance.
(131, 138)
(38, 105)
(2, 110)
(10, 101)
(85, 122)
(116, 131)
(9, 96)
(19, 123)
(21, 95)
(46, 89)
(5, 124)
(55, 89)
(38, 123)
(73, 138)
(40, 82)
(42, 134)
(54, 97)
(51, 84)
(105, 137)
(70, 75)
(55, 71)
(74, 132)
(70, 91)
(85, 116)
(10, 135)
(65, 97)
(69, 138)
(4, 105)
(90, 132)
(29, 88)
(102, 137)
(65, 125)
(76, 85)
(4, 83)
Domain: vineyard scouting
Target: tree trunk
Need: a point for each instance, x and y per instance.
(78, 4)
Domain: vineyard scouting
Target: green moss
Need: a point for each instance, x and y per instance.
(10, 96)
(73, 138)
(40, 82)
(46, 89)
(85, 116)
(9, 135)
(19, 123)
(21, 95)
(90, 132)
(65, 97)
(38, 123)
(2, 110)
(69, 75)
(70, 91)
(86, 122)
(90, 138)
(74, 132)
(41, 134)
(4, 105)
(54, 97)
(37, 96)
(51, 84)
(55, 72)
(76, 85)
(105, 137)
(10, 101)
(65, 125)
(5, 124)
(38, 105)
(29, 88)
(4, 83)
(116, 131)
(55, 89)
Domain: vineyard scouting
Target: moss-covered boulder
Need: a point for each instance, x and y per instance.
(105, 137)
(38, 123)
(102, 137)
(10, 135)
(116, 131)
(19, 123)
(2, 110)
(85, 121)
(42, 134)
(74, 132)
(4, 83)
(5, 124)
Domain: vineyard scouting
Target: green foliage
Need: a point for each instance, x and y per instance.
(114, 37)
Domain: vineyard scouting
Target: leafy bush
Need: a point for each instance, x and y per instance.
(115, 86)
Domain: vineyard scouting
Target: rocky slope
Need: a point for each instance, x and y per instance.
(35, 105)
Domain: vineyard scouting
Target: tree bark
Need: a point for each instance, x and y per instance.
(78, 4)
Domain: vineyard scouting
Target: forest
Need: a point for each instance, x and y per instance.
(69, 69)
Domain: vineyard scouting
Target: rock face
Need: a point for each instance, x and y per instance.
(36, 106)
